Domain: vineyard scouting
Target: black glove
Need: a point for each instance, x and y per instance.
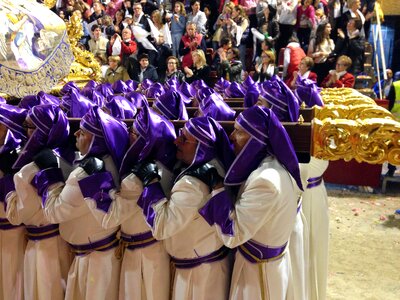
(208, 174)
(45, 159)
(146, 171)
(7, 159)
(92, 165)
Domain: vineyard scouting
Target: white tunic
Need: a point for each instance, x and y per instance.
(265, 212)
(187, 235)
(145, 272)
(316, 212)
(46, 261)
(12, 249)
(91, 276)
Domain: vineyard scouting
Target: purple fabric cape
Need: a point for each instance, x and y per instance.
(215, 107)
(110, 136)
(307, 91)
(156, 136)
(75, 104)
(52, 130)
(171, 105)
(13, 117)
(213, 142)
(252, 94)
(281, 99)
(267, 137)
(120, 107)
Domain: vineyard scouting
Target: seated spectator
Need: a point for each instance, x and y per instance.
(173, 70)
(385, 85)
(340, 77)
(304, 71)
(267, 68)
(230, 66)
(115, 71)
(199, 69)
(351, 44)
(98, 44)
(145, 70)
(292, 56)
(190, 41)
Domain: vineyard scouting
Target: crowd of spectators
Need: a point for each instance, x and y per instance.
(250, 36)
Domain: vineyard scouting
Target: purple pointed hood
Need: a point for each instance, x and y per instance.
(156, 136)
(171, 105)
(199, 84)
(267, 137)
(41, 98)
(70, 85)
(155, 90)
(105, 89)
(281, 99)
(2, 100)
(132, 85)
(252, 94)
(172, 82)
(188, 90)
(120, 107)
(215, 107)
(307, 91)
(247, 83)
(75, 104)
(234, 91)
(203, 93)
(221, 85)
(137, 99)
(13, 118)
(213, 142)
(52, 130)
(120, 87)
(45, 98)
(110, 136)
(146, 84)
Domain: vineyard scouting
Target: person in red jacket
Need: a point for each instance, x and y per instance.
(340, 77)
(292, 56)
(128, 46)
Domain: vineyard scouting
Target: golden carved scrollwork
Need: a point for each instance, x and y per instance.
(351, 127)
(85, 67)
(50, 3)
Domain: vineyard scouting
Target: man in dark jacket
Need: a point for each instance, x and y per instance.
(145, 70)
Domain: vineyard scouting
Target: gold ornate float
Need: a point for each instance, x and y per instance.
(353, 126)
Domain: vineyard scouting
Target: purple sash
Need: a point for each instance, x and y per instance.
(314, 181)
(255, 252)
(188, 263)
(136, 241)
(38, 233)
(6, 225)
(101, 245)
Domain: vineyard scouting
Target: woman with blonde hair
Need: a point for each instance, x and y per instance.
(160, 28)
(115, 71)
(199, 69)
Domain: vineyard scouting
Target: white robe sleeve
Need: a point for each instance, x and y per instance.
(65, 203)
(172, 216)
(124, 204)
(254, 208)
